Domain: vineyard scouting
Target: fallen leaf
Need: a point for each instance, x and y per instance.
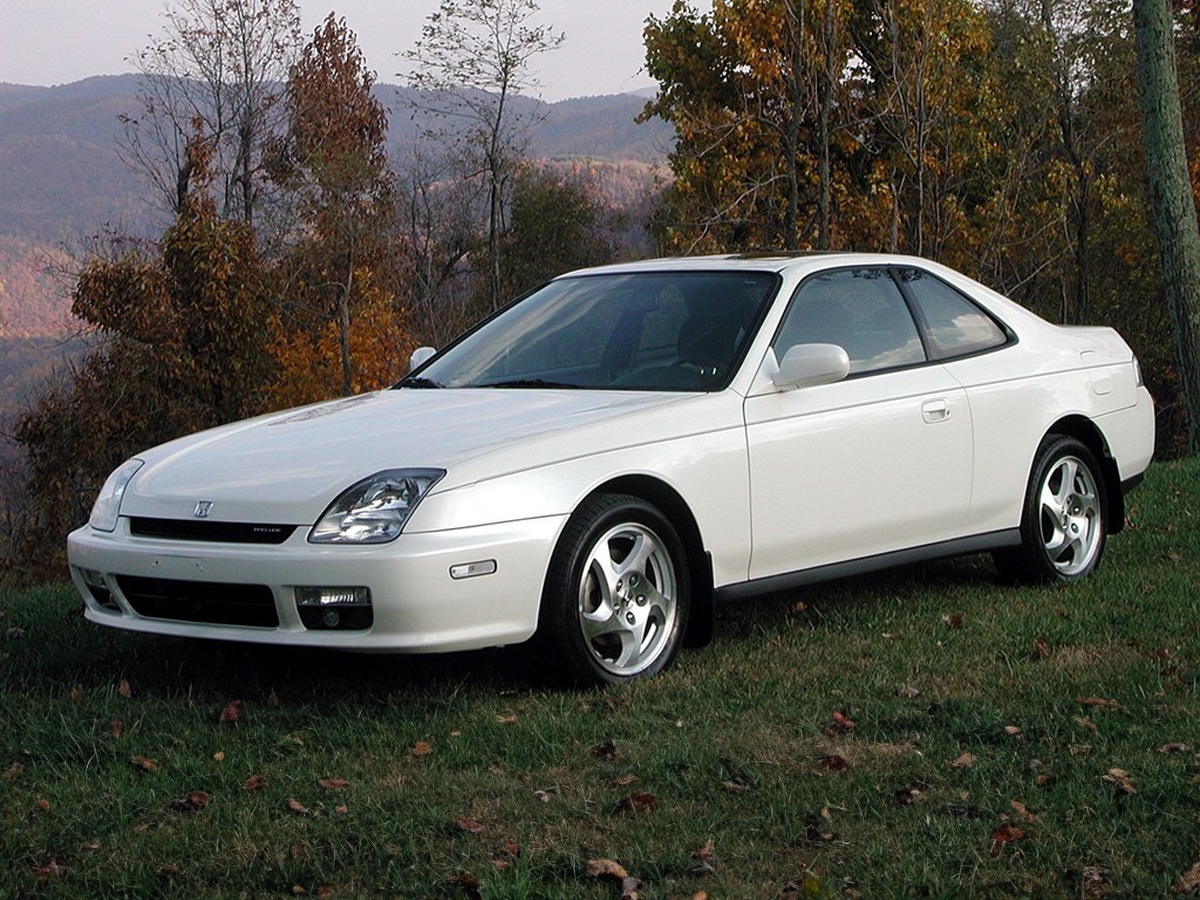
(254, 783)
(422, 748)
(953, 620)
(52, 868)
(506, 720)
(1041, 649)
(1044, 781)
(512, 848)
(907, 796)
(624, 780)
(1098, 701)
(964, 761)
(468, 883)
(124, 689)
(90, 847)
(1189, 881)
(219, 756)
(1012, 730)
(169, 870)
(1085, 722)
(638, 801)
(542, 795)
(1005, 834)
(16, 634)
(604, 750)
(1119, 778)
(736, 786)
(146, 765)
(341, 809)
(325, 890)
(297, 807)
(1079, 749)
(843, 724)
(333, 784)
(469, 825)
(76, 693)
(1173, 748)
(12, 771)
(605, 868)
(44, 805)
(272, 698)
(909, 692)
(233, 712)
(194, 801)
(834, 763)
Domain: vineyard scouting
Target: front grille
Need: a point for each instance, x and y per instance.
(199, 601)
(205, 530)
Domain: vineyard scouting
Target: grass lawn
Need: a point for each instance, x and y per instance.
(926, 733)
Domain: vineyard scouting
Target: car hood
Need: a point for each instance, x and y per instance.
(286, 468)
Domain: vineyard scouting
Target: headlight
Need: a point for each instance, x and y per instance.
(108, 503)
(374, 510)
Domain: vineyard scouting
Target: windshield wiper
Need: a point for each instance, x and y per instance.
(529, 383)
(418, 383)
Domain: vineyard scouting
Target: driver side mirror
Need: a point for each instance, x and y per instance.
(809, 365)
(420, 356)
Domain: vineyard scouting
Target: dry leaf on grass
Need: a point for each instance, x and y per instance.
(333, 784)
(195, 800)
(953, 620)
(604, 750)
(842, 723)
(1100, 702)
(422, 748)
(834, 763)
(297, 807)
(964, 761)
(638, 801)
(1119, 779)
(1005, 834)
(1189, 881)
(124, 689)
(254, 783)
(146, 765)
(12, 771)
(52, 868)
(1173, 748)
(606, 868)
(233, 712)
(470, 825)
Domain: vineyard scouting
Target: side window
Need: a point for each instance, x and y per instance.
(956, 326)
(862, 311)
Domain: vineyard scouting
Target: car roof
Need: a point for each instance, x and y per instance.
(760, 262)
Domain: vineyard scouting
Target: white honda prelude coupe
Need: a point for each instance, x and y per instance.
(602, 461)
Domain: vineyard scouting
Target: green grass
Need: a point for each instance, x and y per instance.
(735, 745)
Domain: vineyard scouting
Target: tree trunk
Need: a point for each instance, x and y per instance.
(1173, 207)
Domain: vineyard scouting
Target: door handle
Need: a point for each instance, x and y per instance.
(934, 411)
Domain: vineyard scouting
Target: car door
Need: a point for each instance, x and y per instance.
(874, 463)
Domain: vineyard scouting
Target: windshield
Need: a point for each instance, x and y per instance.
(662, 331)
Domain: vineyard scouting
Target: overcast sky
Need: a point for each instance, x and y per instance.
(48, 42)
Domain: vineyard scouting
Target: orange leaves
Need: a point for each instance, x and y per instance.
(146, 765)
(1005, 834)
(195, 800)
(233, 712)
(422, 748)
(333, 784)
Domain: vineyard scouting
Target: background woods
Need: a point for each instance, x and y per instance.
(314, 225)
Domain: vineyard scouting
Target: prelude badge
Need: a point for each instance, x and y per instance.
(203, 508)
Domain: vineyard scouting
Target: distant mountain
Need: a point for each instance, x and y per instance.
(62, 179)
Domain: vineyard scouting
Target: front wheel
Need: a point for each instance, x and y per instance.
(616, 599)
(1063, 523)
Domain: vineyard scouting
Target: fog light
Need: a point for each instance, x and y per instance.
(335, 608)
(99, 589)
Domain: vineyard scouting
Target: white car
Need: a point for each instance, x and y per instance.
(603, 460)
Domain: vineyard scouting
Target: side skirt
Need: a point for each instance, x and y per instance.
(995, 540)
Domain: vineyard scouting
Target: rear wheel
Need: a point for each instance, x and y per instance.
(1063, 525)
(616, 600)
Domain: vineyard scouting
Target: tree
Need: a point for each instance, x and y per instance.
(1171, 195)
(216, 71)
(556, 226)
(184, 325)
(332, 160)
(473, 60)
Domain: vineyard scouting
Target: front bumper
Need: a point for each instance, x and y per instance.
(417, 605)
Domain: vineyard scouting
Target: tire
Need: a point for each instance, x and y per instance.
(1064, 520)
(616, 600)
